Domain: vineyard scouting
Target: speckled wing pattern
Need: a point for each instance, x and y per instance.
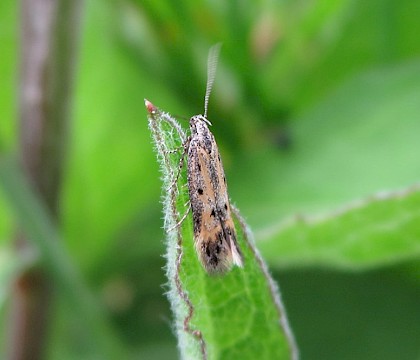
(214, 230)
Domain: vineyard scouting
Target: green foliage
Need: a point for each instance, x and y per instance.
(381, 231)
(36, 223)
(323, 115)
(237, 315)
(358, 141)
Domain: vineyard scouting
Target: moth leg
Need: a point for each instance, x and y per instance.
(174, 151)
(181, 164)
(182, 219)
(177, 127)
(176, 177)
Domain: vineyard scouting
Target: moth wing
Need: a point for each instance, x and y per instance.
(221, 224)
(224, 211)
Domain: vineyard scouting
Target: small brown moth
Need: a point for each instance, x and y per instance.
(214, 229)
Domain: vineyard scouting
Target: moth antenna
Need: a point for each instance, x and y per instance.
(211, 72)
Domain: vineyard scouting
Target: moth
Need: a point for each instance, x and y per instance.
(214, 230)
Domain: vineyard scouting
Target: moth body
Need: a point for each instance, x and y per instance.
(214, 230)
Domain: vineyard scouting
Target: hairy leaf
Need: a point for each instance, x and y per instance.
(234, 316)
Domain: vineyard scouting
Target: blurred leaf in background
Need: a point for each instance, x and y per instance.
(315, 107)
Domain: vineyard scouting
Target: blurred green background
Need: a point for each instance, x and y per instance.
(315, 104)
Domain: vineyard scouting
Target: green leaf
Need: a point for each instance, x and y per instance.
(360, 140)
(105, 189)
(377, 232)
(326, 42)
(235, 316)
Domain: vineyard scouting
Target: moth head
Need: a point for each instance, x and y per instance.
(198, 124)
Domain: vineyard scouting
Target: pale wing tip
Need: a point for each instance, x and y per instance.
(236, 257)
